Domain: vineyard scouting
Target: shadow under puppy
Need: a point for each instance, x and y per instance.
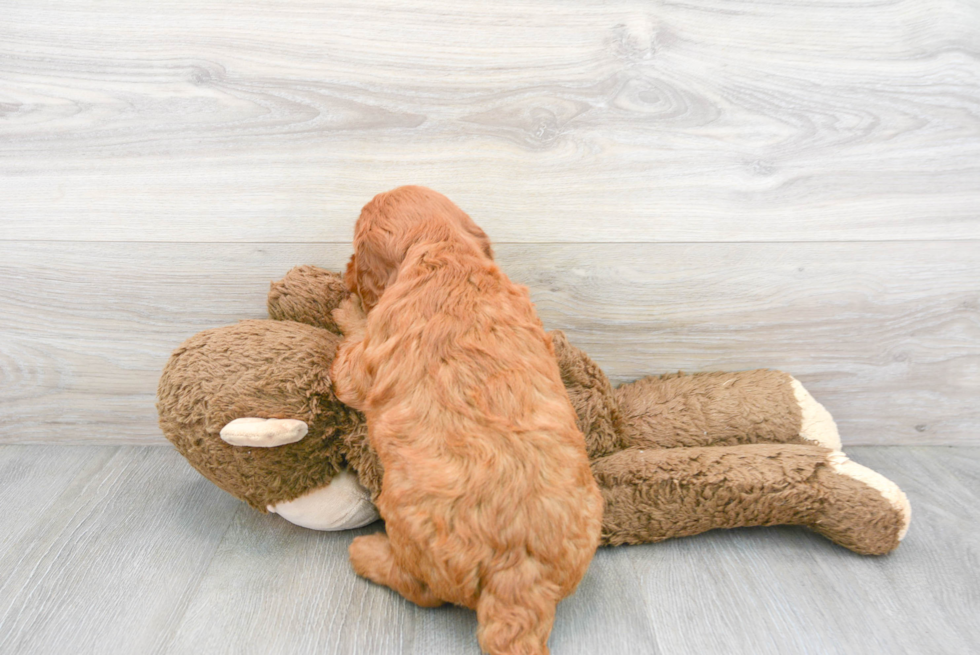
(488, 498)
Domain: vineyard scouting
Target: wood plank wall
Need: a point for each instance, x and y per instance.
(716, 185)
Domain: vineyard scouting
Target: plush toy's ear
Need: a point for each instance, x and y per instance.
(307, 295)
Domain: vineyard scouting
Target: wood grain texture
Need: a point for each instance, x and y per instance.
(110, 565)
(38, 479)
(137, 553)
(886, 335)
(719, 120)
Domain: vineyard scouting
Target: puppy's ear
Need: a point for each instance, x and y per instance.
(481, 238)
(368, 273)
(350, 274)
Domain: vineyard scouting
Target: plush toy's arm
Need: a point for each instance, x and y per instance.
(722, 409)
(591, 396)
(307, 295)
(656, 494)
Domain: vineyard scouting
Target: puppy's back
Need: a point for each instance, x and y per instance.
(482, 437)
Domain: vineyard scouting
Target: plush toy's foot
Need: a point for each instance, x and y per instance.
(372, 558)
(816, 424)
(341, 505)
(263, 432)
(863, 510)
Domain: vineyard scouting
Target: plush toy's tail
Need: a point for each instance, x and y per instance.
(516, 611)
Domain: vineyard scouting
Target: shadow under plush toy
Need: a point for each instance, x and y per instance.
(251, 408)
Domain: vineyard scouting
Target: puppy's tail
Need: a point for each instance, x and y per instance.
(516, 610)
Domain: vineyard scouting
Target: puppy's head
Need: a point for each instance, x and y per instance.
(395, 221)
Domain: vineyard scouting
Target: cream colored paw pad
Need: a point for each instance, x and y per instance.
(817, 425)
(844, 466)
(263, 432)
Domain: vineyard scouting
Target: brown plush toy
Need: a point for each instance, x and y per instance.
(250, 406)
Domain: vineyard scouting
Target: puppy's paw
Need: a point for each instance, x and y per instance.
(350, 316)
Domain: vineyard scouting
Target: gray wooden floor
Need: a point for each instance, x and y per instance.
(125, 549)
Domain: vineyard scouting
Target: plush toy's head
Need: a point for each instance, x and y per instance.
(263, 369)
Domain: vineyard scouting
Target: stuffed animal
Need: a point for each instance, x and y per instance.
(251, 408)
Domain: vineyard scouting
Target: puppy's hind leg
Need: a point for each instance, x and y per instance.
(516, 611)
(372, 558)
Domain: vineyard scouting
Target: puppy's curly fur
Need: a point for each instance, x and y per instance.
(487, 494)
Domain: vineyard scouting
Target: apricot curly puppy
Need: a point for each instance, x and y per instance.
(487, 495)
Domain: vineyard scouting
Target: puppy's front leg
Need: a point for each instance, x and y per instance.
(350, 317)
(351, 378)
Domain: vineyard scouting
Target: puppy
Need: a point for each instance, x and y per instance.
(487, 495)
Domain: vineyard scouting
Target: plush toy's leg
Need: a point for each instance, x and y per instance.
(722, 409)
(655, 494)
(372, 558)
(705, 409)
